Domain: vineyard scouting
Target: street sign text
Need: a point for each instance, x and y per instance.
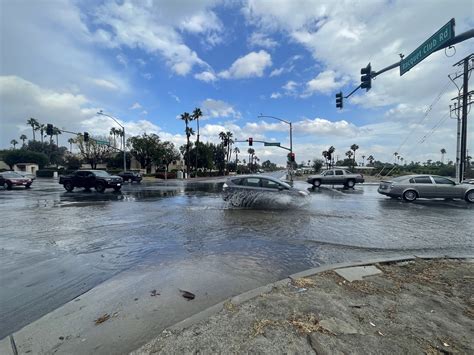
(442, 36)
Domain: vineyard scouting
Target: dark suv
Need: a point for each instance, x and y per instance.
(98, 179)
(130, 176)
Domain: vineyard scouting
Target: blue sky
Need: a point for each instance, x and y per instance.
(146, 62)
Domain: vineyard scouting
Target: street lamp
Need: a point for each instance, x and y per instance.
(291, 139)
(123, 130)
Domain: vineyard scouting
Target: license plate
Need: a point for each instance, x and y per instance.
(118, 184)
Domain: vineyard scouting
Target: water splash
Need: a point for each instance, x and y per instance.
(264, 200)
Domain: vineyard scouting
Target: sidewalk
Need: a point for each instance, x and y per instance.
(418, 306)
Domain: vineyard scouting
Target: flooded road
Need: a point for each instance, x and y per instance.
(57, 245)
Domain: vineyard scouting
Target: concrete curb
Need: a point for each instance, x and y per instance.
(246, 296)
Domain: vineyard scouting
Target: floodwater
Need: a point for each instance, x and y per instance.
(56, 245)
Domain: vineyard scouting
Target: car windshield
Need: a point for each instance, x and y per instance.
(101, 173)
(11, 174)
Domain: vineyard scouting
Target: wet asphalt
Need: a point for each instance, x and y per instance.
(56, 245)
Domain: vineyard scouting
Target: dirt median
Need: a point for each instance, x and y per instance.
(412, 307)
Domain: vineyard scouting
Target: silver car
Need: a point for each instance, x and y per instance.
(259, 191)
(411, 187)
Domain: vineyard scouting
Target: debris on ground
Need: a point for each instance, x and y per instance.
(416, 307)
(188, 295)
(102, 318)
(154, 293)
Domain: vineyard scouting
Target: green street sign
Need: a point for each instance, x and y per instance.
(271, 144)
(102, 142)
(442, 36)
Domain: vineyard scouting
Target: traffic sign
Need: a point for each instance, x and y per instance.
(271, 144)
(442, 36)
(102, 142)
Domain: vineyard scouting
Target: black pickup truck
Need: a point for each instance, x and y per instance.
(98, 179)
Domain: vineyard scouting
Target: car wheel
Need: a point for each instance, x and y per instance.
(7, 185)
(317, 183)
(410, 195)
(350, 183)
(68, 186)
(28, 186)
(470, 196)
(117, 188)
(100, 187)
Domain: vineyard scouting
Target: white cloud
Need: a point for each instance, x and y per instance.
(148, 26)
(135, 106)
(275, 95)
(175, 97)
(206, 76)
(277, 72)
(325, 82)
(216, 108)
(258, 39)
(290, 86)
(105, 84)
(122, 59)
(147, 76)
(248, 66)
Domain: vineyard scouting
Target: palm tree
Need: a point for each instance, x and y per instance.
(331, 151)
(71, 141)
(187, 118)
(251, 152)
(370, 159)
(13, 142)
(236, 151)
(354, 147)
(197, 113)
(41, 127)
(325, 155)
(363, 158)
(34, 124)
(443, 152)
(57, 132)
(395, 155)
(113, 132)
(23, 138)
(119, 133)
(349, 154)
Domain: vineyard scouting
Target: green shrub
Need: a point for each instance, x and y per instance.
(45, 173)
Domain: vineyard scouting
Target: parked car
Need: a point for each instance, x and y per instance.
(10, 179)
(335, 177)
(258, 188)
(27, 175)
(411, 187)
(130, 176)
(98, 179)
(468, 181)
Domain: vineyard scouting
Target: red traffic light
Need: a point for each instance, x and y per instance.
(291, 157)
(250, 141)
(86, 137)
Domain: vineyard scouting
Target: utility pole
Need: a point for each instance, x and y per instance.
(465, 100)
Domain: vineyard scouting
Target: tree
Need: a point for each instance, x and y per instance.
(54, 153)
(73, 163)
(145, 148)
(41, 127)
(317, 165)
(227, 141)
(34, 124)
(13, 157)
(113, 132)
(370, 159)
(363, 159)
(92, 152)
(251, 152)
(23, 138)
(236, 151)
(331, 151)
(13, 142)
(443, 152)
(169, 154)
(71, 141)
(57, 132)
(354, 147)
(267, 165)
(187, 118)
(197, 113)
(349, 154)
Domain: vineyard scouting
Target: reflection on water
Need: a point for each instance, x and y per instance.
(264, 199)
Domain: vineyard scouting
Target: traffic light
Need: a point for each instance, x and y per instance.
(86, 137)
(366, 77)
(49, 129)
(250, 141)
(291, 157)
(339, 99)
